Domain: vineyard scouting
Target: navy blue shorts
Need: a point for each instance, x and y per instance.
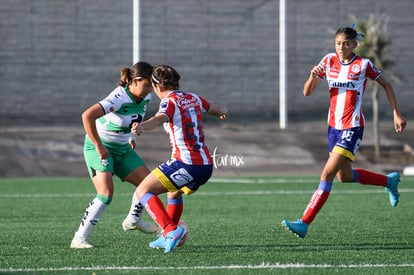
(176, 175)
(345, 142)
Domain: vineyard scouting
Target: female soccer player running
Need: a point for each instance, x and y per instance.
(190, 165)
(109, 149)
(347, 74)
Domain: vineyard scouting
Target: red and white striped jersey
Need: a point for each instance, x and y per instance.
(347, 83)
(184, 127)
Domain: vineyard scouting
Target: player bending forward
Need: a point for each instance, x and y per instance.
(191, 164)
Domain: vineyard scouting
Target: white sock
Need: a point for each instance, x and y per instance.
(136, 211)
(91, 217)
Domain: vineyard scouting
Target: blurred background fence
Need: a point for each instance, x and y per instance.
(58, 57)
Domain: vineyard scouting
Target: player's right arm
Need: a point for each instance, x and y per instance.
(313, 80)
(89, 117)
(153, 122)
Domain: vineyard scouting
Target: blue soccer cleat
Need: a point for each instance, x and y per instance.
(298, 228)
(173, 238)
(158, 243)
(392, 188)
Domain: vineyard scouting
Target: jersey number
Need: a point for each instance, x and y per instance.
(194, 140)
(347, 135)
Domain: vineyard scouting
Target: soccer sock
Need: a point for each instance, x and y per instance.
(136, 210)
(175, 209)
(317, 201)
(156, 210)
(369, 178)
(92, 214)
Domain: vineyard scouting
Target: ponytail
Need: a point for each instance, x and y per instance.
(125, 77)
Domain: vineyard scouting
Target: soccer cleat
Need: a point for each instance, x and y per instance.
(173, 238)
(158, 243)
(80, 242)
(392, 188)
(298, 228)
(140, 225)
(185, 236)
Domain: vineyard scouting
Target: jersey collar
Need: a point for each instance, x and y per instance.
(131, 96)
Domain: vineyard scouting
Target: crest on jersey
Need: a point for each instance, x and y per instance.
(163, 105)
(356, 68)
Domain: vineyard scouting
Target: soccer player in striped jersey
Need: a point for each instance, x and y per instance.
(191, 164)
(347, 75)
(109, 149)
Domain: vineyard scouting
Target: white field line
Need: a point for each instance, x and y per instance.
(225, 267)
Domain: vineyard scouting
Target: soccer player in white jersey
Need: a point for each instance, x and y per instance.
(109, 149)
(346, 74)
(191, 164)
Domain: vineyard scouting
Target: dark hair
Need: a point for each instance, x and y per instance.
(139, 69)
(166, 76)
(349, 32)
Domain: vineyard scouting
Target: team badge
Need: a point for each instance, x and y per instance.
(104, 162)
(356, 68)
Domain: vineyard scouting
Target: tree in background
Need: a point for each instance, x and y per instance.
(376, 47)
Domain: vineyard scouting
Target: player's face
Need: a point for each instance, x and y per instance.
(142, 87)
(344, 47)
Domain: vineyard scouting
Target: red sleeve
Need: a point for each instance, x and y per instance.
(205, 105)
(372, 72)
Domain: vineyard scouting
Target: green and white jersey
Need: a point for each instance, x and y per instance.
(121, 110)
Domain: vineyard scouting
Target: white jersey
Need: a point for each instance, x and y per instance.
(121, 110)
(347, 83)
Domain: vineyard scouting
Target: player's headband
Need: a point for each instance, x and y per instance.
(154, 79)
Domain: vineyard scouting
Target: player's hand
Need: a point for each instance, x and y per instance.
(102, 151)
(132, 143)
(136, 129)
(224, 113)
(399, 123)
(317, 70)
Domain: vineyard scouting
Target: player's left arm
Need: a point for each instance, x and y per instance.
(213, 109)
(399, 120)
(218, 110)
